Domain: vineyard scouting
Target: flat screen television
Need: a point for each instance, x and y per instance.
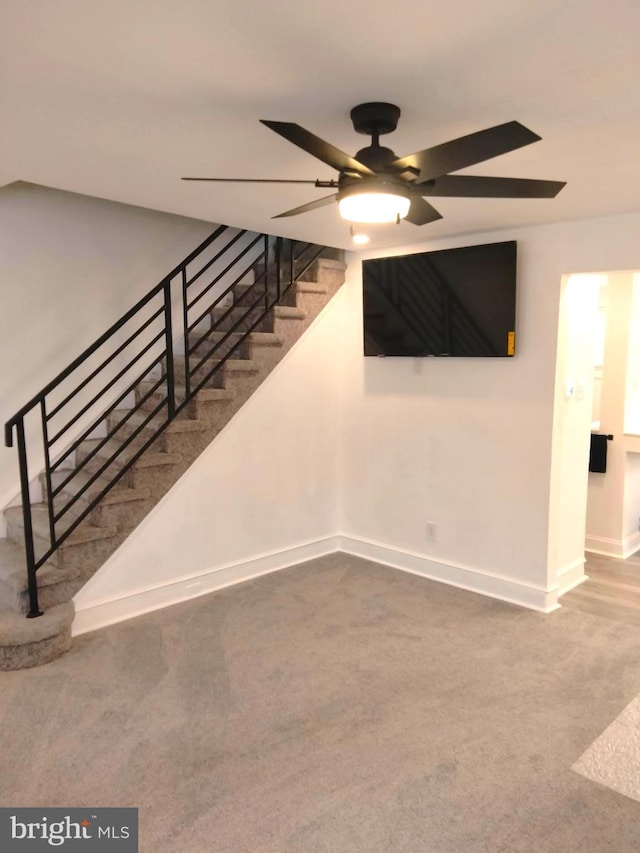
(456, 302)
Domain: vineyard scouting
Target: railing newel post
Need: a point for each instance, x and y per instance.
(34, 609)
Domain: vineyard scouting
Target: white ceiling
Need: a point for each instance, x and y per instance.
(119, 98)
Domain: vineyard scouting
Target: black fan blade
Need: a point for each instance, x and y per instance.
(421, 212)
(475, 186)
(317, 147)
(250, 180)
(467, 150)
(311, 205)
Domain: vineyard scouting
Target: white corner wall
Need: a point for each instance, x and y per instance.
(472, 444)
(70, 266)
(261, 497)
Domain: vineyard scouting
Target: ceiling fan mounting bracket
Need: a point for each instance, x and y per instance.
(375, 118)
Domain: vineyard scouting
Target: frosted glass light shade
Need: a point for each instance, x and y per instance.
(373, 207)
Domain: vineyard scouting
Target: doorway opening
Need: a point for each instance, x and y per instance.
(599, 371)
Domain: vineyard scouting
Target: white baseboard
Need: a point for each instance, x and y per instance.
(570, 576)
(465, 577)
(110, 611)
(631, 544)
(621, 548)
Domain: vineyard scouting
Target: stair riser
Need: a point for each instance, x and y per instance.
(127, 516)
(231, 345)
(266, 357)
(245, 297)
(81, 555)
(48, 596)
(127, 429)
(151, 403)
(312, 303)
(34, 654)
(215, 413)
(322, 269)
(108, 515)
(330, 277)
(52, 594)
(103, 515)
(13, 599)
(96, 463)
(15, 534)
(246, 321)
(289, 329)
(174, 442)
(214, 381)
(156, 478)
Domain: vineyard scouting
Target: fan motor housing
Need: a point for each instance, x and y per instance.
(375, 118)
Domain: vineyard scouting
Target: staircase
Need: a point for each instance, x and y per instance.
(239, 313)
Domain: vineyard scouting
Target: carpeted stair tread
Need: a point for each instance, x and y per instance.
(231, 365)
(85, 532)
(13, 571)
(211, 395)
(13, 568)
(178, 425)
(311, 287)
(16, 630)
(149, 459)
(266, 339)
(220, 393)
(289, 312)
(117, 495)
(26, 642)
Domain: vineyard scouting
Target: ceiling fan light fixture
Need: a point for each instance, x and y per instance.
(378, 204)
(357, 236)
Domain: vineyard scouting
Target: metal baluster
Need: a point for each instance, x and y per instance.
(266, 272)
(278, 270)
(171, 389)
(34, 609)
(187, 348)
(47, 471)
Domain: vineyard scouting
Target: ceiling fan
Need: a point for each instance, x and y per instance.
(378, 186)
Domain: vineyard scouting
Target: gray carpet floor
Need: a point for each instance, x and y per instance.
(338, 706)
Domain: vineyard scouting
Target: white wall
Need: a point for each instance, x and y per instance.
(575, 385)
(605, 529)
(631, 516)
(262, 496)
(70, 266)
(472, 444)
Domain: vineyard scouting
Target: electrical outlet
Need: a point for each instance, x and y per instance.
(430, 531)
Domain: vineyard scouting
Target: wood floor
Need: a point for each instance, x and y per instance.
(612, 590)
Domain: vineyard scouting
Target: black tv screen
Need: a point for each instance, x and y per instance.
(456, 302)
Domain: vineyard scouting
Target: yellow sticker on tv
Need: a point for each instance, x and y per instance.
(511, 343)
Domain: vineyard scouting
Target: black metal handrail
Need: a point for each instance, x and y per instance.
(134, 350)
